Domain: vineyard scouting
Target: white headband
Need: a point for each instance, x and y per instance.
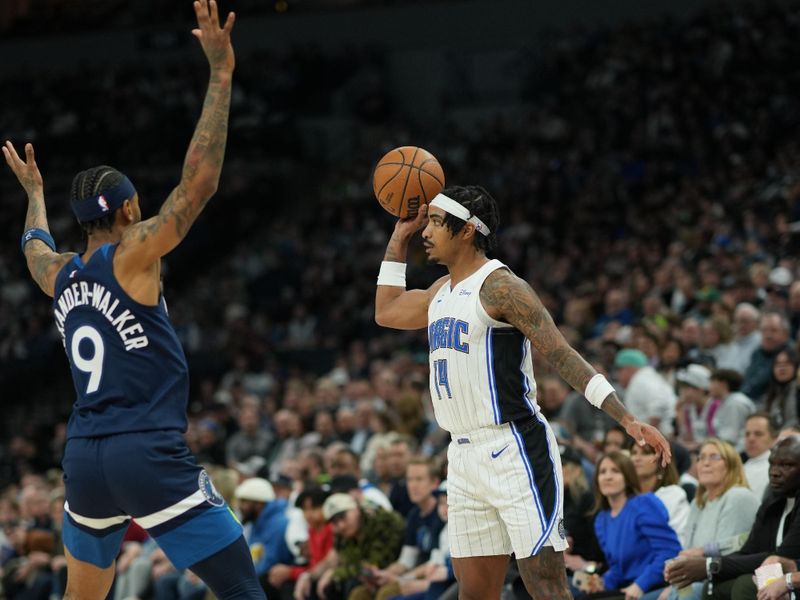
(456, 209)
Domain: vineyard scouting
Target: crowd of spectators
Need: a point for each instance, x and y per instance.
(649, 190)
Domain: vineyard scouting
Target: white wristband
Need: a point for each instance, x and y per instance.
(598, 390)
(392, 273)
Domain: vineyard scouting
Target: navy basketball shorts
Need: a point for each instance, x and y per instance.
(151, 477)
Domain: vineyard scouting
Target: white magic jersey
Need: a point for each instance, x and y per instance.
(481, 369)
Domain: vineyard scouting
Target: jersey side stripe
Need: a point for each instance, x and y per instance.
(529, 470)
(490, 371)
(546, 533)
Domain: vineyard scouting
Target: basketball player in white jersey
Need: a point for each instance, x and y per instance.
(505, 492)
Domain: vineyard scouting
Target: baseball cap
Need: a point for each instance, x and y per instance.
(441, 490)
(630, 357)
(695, 375)
(336, 504)
(255, 489)
(780, 276)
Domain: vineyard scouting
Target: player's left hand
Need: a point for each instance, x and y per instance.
(26, 171)
(647, 434)
(632, 592)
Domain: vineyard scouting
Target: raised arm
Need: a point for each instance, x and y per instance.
(43, 261)
(146, 242)
(395, 306)
(508, 298)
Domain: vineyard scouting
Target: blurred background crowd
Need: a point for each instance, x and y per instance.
(648, 176)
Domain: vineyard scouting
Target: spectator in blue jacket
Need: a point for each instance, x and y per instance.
(265, 525)
(633, 531)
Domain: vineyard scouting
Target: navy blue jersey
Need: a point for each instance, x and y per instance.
(128, 367)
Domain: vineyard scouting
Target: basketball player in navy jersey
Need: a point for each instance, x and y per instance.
(125, 455)
(505, 492)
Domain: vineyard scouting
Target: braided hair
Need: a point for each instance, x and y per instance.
(93, 182)
(479, 203)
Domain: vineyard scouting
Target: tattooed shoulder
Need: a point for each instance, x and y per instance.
(506, 297)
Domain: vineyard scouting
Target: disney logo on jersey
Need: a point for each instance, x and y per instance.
(446, 333)
(465, 293)
(210, 493)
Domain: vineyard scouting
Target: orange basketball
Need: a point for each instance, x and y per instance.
(405, 178)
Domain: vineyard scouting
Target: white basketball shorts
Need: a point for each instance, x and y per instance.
(505, 490)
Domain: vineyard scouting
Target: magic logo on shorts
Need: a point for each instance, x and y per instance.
(209, 491)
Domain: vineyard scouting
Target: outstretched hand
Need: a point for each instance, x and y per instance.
(215, 40)
(409, 226)
(643, 434)
(26, 171)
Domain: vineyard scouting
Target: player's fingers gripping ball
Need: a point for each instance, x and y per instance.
(405, 178)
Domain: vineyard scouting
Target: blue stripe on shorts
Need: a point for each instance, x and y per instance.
(196, 539)
(97, 547)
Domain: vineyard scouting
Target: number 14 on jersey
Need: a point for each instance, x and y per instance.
(440, 378)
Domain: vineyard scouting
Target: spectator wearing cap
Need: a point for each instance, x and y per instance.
(777, 292)
(734, 409)
(746, 338)
(760, 434)
(781, 397)
(265, 525)
(696, 409)
(363, 540)
(774, 329)
(647, 395)
(423, 526)
(578, 523)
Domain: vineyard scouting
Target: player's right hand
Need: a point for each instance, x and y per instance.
(215, 40)
(408, 227)
(26, 171)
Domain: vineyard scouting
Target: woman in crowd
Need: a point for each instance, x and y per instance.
(780, 399)
(633, 531)
(663, 482)
(722, 513)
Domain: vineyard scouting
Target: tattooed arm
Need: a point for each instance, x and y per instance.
(43, 263)
(509, 299)
(395, 306)
(145, 242)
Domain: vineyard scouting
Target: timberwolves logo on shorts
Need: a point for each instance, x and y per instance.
(208, 489)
